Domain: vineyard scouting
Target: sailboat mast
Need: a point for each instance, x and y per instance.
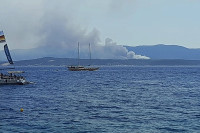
(90, 52)
(78, 55)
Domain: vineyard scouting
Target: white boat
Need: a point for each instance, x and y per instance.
(82, 68)
(13, 77)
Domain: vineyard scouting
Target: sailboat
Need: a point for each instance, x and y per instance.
(82, 68)
(13, 77)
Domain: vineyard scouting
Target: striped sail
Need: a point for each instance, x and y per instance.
(2, 37)
(8, 54)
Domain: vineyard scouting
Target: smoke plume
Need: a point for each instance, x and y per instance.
(61, 36)
(54, 30)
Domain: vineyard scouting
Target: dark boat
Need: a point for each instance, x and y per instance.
(82, 68)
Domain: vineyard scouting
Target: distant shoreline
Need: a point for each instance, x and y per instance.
(50, 61)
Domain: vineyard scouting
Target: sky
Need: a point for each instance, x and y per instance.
(49, 23)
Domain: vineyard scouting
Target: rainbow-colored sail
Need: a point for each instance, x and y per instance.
(2, 37)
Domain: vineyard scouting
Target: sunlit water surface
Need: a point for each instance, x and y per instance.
(112, 99)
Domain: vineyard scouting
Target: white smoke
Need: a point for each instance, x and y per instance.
(61, 35)
(55, 30)
(132, 55)
(120, 52)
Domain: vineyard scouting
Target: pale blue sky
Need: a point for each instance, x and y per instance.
(150, 22)
(126, 22)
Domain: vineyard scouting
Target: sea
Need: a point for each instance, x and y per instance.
(113, 99)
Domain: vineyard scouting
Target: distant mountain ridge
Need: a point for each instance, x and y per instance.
(162, 51)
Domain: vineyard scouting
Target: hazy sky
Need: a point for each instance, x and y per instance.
(26, 23)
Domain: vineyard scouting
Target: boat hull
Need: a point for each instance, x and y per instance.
(13, 81)
(77, 68)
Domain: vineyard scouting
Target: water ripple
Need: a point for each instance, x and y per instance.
(112, 99)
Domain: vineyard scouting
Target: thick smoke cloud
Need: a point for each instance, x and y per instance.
(120, 52)
(55, 31)
(61, 37)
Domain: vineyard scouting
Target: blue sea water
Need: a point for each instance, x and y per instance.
(118, 99)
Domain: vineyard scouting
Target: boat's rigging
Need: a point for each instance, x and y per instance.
(90, 54)
(11, 77)
(82, 68)
(78, 55)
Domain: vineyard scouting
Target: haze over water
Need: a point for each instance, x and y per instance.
(112, 99)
